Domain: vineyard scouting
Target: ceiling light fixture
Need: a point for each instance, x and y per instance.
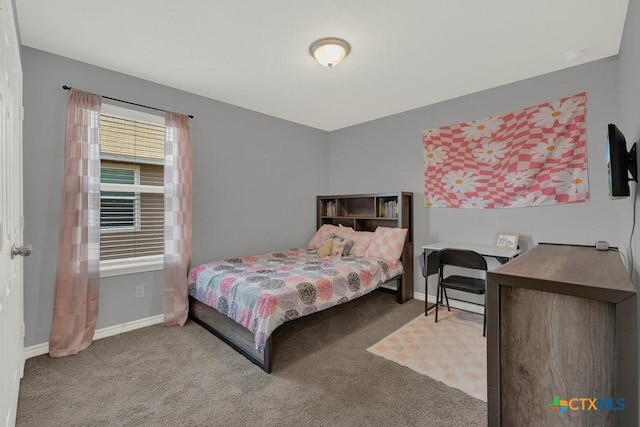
(329, 51)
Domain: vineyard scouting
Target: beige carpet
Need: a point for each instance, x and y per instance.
(322, 376)
(452, 351)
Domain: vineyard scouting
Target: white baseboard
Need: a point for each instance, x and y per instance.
(36, 350)
(419, 296)
(40, 349)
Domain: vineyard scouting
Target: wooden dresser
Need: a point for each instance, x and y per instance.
(562, 333)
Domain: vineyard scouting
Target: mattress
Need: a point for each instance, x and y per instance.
(261, 292)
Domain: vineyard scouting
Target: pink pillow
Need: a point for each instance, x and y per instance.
(387, 243)
(321, 235)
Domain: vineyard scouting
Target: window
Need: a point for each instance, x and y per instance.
(131, 191)
(119, 210)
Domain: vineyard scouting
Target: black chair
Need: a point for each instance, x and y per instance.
(461, 258)
(428, 266)
(423, 269)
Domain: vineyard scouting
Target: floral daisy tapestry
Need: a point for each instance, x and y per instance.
(532, 157)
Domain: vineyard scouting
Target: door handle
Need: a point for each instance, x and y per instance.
(24, 250)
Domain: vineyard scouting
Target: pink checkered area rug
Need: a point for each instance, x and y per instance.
(452, 351)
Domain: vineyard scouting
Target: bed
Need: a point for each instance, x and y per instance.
(243, 300)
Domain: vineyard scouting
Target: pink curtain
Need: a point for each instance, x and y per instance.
(75, 306)
(177, 218)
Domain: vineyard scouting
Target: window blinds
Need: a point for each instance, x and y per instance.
(131, 184)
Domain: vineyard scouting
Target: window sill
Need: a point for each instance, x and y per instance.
(119, 267)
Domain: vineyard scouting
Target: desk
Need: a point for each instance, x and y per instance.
(430, 258)
(501, 254)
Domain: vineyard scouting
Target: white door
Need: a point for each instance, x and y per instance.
(11, 306)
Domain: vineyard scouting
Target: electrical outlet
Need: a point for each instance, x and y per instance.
(139, 291)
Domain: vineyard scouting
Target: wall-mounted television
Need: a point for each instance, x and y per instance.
(620, 163)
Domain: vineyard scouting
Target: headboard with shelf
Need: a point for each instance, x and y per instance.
(366, 212)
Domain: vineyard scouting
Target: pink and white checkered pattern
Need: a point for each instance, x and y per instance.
(551, 177)
(387, 243)
(452, 351)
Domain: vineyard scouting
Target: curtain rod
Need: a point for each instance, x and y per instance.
(65, 87)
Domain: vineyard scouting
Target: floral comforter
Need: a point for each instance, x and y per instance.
(262, 292)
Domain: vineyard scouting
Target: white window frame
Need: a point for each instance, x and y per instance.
(119, 267)
(122, 266)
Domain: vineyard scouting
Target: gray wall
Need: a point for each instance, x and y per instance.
(255, 180)
(629, 110)
(386, 155)
(630, 74)
(629, 103)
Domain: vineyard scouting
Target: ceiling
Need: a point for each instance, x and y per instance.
(254, 53)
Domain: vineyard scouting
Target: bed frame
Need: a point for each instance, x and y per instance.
(242, 340)
(232, 333)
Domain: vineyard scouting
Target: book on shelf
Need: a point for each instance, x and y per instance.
(388, 209)
(331, 208)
